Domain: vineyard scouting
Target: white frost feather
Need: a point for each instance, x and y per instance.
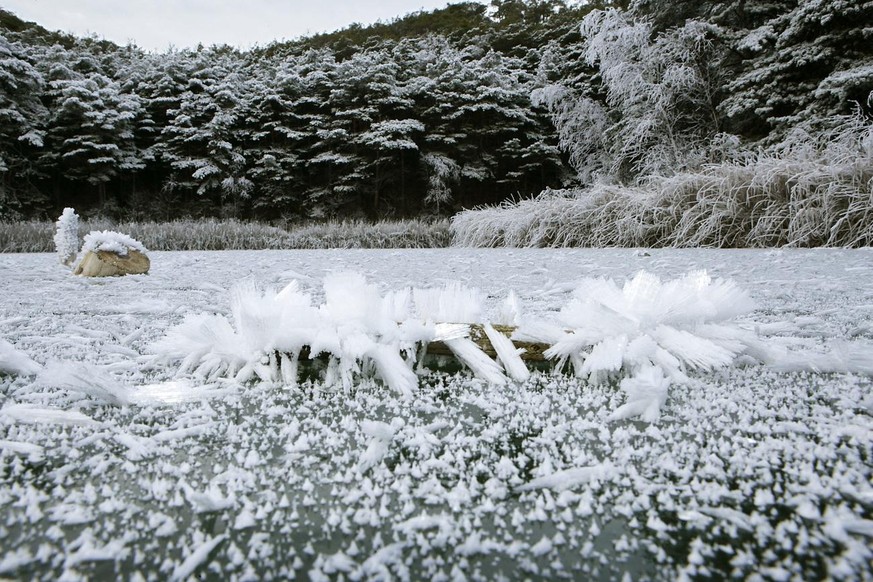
(508, 354)
(13, 361)
(646, 393)
(478, 361)
(30, 414)
(113, 242)
(85, 379)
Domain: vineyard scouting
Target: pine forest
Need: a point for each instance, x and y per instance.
(538, 123)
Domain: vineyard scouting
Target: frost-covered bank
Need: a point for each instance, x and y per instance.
(749, 470)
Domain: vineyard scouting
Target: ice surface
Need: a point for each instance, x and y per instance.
(751, 470)
(29, 413)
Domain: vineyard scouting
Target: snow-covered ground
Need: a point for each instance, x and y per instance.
(113, 466)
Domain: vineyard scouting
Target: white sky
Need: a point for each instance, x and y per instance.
(157, 24)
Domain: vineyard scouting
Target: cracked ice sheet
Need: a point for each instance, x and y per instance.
(267, 481)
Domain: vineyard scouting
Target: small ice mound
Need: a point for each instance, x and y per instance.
(85, 379)
(381, 434)
(13, 361)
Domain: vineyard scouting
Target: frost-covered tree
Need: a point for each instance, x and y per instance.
(443, 172)
(202, 141)
(478, 116)
(22, 115)
(277, 133)
(654, 107)
(799, 62)
(90, 131)
(291, 129)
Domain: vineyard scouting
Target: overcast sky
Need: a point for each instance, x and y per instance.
(157, 24)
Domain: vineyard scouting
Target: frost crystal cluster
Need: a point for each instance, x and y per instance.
(651, 330)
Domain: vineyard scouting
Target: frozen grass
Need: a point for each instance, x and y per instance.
(178, 235)
(814, 191)
(210, 234)
(357, 234)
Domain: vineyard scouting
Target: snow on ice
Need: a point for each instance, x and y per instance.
(116, 464)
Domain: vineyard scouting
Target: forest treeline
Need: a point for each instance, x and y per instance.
(422, 116)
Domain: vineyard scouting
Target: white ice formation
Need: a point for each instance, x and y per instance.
(110, 241)
(648, 331)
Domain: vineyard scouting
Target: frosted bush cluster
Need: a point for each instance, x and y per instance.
(812, 190)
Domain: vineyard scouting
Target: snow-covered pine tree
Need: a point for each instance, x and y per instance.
(22, 115)
(275, 137)
(90, 131)
(477, 113)
(800, 63)
(202, 140)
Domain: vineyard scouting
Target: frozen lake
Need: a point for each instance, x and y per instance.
(750, 469)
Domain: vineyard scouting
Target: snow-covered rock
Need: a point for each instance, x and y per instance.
(107, 254)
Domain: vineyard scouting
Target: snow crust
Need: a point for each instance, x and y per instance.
(758, 469)
(110, 241)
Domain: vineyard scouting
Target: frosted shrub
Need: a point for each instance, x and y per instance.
(67, 236)
(814, 189)
(657, 112)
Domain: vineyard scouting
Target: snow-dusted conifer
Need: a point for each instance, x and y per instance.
(67, 236)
